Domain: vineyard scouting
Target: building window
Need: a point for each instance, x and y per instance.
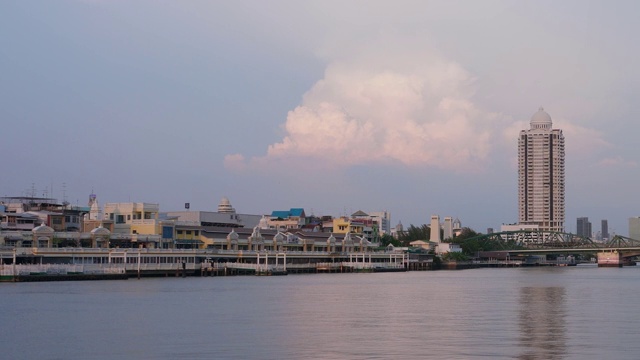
(128, 217)
(119, 219)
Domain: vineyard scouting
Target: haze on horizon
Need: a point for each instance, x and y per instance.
(411, 107)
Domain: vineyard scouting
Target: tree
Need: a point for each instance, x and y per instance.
(455, 256)
(387, 239)
(414, 233)
(468, 244)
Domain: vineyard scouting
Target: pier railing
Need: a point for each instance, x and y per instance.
(59, 269)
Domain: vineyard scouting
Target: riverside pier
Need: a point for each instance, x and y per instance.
(33, 264)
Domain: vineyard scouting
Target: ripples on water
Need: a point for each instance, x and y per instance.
(528, 313)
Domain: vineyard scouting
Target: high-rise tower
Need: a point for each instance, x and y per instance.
(541, 174)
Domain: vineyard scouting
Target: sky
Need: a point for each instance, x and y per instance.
(413, 107)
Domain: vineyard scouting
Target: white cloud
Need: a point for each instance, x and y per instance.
(402, 104)
(417, 111)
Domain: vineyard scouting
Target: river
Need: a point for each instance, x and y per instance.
(581, 312)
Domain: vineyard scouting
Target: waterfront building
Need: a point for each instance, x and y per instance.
(17, 221)
(634, 228)
(343, 225)
(371, 224)
(133, 217)
(25, 213)
(184, 228)
(583, 227)
(444, 248)
(211, 218)
(541, 174)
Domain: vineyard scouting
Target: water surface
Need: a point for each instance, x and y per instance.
(522, 313)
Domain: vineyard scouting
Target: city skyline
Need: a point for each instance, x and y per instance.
(412, 107)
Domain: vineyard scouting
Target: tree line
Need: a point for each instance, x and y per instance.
(467, 239)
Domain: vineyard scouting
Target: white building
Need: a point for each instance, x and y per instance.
(443, 248)
(435, 229)
(383, 219)
(447, 228)
(516, 227)
(225, 207)
(541, 174)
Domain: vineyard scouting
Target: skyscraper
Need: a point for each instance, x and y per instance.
(604, 230)
(583, 227)
(541, 174)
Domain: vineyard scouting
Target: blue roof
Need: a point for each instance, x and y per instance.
(296, 212)
(283, 214)
(280, 214)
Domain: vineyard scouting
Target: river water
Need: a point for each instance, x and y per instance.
(521, 313)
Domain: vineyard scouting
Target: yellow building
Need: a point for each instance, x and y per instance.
(343, 225)
(133, 218)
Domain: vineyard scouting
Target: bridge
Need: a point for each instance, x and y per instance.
(613, 252)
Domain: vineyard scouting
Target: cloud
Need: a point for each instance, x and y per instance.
(417, 111)
(617, 162)
(399, 105)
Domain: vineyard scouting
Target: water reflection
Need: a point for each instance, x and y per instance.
(542, 323)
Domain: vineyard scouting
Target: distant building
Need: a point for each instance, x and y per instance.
(457, 227)
(399, 229)
(225, 207)
(282, 220)
(383, 219)
(604, 230)
(583, 227)
(435, 229)
(516, 227)
(541, 177)
(447, 228)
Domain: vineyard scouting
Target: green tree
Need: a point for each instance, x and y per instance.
(469, 245)
(414, 233)
(387, 239)
(455, 256)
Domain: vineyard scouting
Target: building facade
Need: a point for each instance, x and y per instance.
(583, 227)
(541, 178)
(604, 230)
